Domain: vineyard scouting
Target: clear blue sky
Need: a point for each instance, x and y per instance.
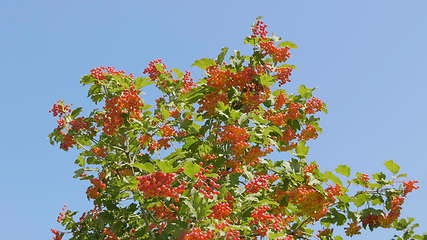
(367, 58)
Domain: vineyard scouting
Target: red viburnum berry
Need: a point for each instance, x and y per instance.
(313, 105)
(409, 186)
(221, 210)
(259, 29)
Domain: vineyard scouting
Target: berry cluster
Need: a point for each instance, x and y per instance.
(198, 234)
(281, 100)
(210, 102)
(221, 210)
(144, 140)
(252, 157)
(167, 131)
(395, 208)
(289, 134)
(221, 80)
(57, 235)
(352, 229)
(109, 235)
(288, 237)
(333, 191)
(222, 129)
(95, 190)
(99, 152)
(373, 221)
(127, 103)
(260, 182)
(81, 123)
(409, 186)
(101, 73)
(293, 111)
(264, 221)
(363, 179)
(159, 184)
(218, 79)
(233, 234)
(277, 119)
(313, 105)
(67, 141)
(259, 29)
(188, 83)
(206, 185)
(309, 169)
(163, 213)
(310, 201)
(308, 133)
(59, 109)
(62, 214)
(235, 135)
(152, 70)
(277, 53)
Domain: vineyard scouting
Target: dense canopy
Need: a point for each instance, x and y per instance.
(197, 164)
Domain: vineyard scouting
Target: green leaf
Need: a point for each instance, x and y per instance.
(338, 238)
(174, 156)
(392, 166)
(360, 199)
(294, 165)
(190, 142)
(87, 79)
(305, 92)
(204, 63)
(267, 80)
(83, 140)
(339, 217)
(146, 107)
(166, 166)
(142, 82)
(191, 169)
(379, 176)
(76, 112)
(195, 94)
(178, 73)
(287, 66)
(148, 167)
(259, 118)
(78, 172)
(272, 129)
(251, 41)
(377, 201)
(235, 115)
(160, 67)
(191, 208)
(275, 38)
(344, 198)
(80, 161)
(288, 44)
(333, 177)
(343, 170)
(402, 175)
(221, 55)
(272, 235)
(251, 198)
(164, 113)
(301, 150)
(194, 128)
(312, 180)
(95, 93)
(268, 202)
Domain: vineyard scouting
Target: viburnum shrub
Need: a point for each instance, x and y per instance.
(198, 164)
